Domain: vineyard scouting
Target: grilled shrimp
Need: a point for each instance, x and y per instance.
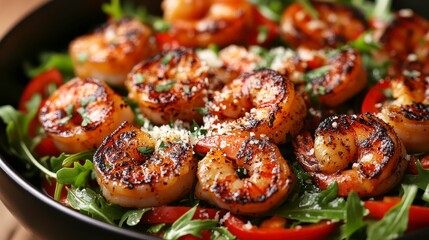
(261, 103)
(405, 42)
(361, 153)
(171, 85)
(408, 113)
(238, 59)
(81, 113)
(198, 23)
(267, 178)
(335, 25)
(345, 77)
(136, 169)
(112, 51)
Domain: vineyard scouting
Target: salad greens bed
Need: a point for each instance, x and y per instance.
(305, 205)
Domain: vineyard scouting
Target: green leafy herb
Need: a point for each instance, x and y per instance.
(309, 8)
(165, 87)
(156, 228)
(82, 57)
(49, 60)
(214, 48)
(421, 180)
(162, 145)
(355, 211)
(19, 142)
(133, 217)
(52, 87)
(221, 233)
(382, 10)
(145, 150)
(167, 58)
(159, 24)
(87, 100)
(85, 118)
(202, 111)
(316, 73)
(262, 34)
(92, 204)
(411, 73)
(185, 225)
(365, 43)
(271, 9)
(186, 89)
(138, 78)
(113, 9)
(77, 176)
(69, 111)
(197, 130)
(394, 223)
(314, 207)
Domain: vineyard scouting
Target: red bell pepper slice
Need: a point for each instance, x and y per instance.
(375, 96)
(314, 231)
(418, 217)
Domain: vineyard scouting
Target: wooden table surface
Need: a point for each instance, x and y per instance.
(11, 11)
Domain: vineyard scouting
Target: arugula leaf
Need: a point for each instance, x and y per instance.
(77, 175)
(92, 204)
(17, 125)
(271, 9)
(156, 228)
(355, 211)
(71, 158)
(365, 43)
(49, 60)
(132, 217)
(421, 180)
(185, 225)
(314, 207)
(394, 223)
(54, 163)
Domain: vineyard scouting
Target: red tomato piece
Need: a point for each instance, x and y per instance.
(38, 85)
(375, 96)
(418, 216)
(169, 214)
(314, 231)
(46, 148)
(49, 187)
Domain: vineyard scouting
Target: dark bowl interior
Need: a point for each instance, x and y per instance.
(51, 28)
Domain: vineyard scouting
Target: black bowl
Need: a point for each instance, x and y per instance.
(51, 28)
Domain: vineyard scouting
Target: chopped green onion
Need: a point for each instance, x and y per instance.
(145, 150)
(165, 87)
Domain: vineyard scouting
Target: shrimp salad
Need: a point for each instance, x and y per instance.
(236, 119)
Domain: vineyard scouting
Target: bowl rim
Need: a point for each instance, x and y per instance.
(38, 194)
(45, 199)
